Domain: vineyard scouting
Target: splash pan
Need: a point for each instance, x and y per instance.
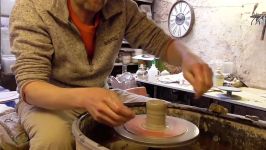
(178, 132)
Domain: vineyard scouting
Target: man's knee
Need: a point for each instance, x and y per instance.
(58, 137)
(47, 129)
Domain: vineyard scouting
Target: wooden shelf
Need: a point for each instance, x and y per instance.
(125, 42)
(120, 64)
(144, 1)
(4, 15)
(128, 49)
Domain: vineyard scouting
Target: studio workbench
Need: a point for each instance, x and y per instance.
(248, 102)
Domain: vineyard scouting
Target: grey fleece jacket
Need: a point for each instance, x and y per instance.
(48, 46)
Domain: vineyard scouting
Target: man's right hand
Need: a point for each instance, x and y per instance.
(105, 106)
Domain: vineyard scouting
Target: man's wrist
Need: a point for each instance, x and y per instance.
(76, 96)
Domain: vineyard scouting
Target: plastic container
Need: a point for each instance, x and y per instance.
(218, 78)
(142, 73)
(153, 72)
(7, 61)
(6, 7)
(228, 68)
(82, 141)
(137, 52)
(5, 43)
(126, 58)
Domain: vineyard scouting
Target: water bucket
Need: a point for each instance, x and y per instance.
(82, 141)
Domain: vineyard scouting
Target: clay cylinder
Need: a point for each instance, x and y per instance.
(156, 115)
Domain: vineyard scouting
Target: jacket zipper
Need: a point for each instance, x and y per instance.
(75, 28)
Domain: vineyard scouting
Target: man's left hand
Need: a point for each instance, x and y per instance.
(198, 73)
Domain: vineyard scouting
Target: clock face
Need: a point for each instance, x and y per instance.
(181, 19)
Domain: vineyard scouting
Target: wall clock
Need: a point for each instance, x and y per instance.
(181, 19)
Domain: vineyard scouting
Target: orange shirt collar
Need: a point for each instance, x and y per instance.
(81, 25)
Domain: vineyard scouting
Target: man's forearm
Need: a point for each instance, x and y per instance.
(194, 69)
(103, 105)
(48, 96)
(176, 52)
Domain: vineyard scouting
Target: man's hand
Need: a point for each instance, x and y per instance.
(195, 70)
(198, 73)
(105, 106)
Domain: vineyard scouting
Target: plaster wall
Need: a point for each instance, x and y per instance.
(223, 32)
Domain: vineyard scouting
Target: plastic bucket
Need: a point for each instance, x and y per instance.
(85, 129)
(82, 141)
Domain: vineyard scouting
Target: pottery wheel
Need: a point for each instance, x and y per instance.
(178, 132)
(229, 90)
